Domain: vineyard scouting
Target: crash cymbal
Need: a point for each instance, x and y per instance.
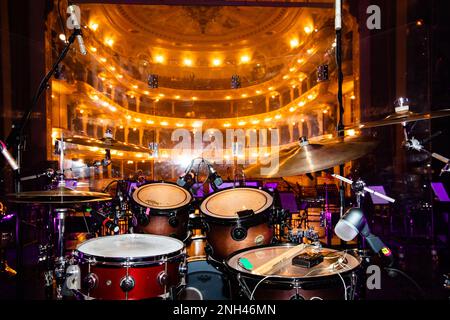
(106, 143)
(301, 158)
(400, 117)
(58, 196)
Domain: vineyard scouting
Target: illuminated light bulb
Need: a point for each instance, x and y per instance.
(62, 37)
(112, 68)
(95, 98)
(159, 58)
(112, 108)
(197, 124)
(228, 97)
(291, 109)
(245, 58)
(81, 111)
(132, 96)
(333, 44)
(187, 62)
(351, 132)
(103, 60)
(157, 99)
(137, 119)
(146, 92)
(121, 127)
(310, 96)
(353, 97)
(119, 76)
(244, 95)
(301, 103)
(101, 120)
(302, 120)
(278, 116)
(216, 62)
(177, 97)
(294, 86)
(325, 111)
(150, 121)
(130, 162)
(255, 121)
(93, 26)
(102, 78)
(113, 152)
(135, 86)
(109, 42)
(134, 129)
(294, 43)
(292, 69)
(179, 125)
(308, 29)
(161, 94)
(270, 88)
(242, 123)
(227, 125)
(285, 77)
(164, 123)
(139, 155)
(93, 49)
(128, 117)
(309, 51)
(258, 91)
(120, 154)
(300, 60)
(267, 119)
(105, 104)
(194, 98)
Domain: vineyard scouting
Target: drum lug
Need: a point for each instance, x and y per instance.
(127, 283)
(238, 232)
(183, 269)
(162, 278)
(90, 281)
(173, 220)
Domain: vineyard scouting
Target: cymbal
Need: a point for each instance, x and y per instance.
(58, 196)
(106, 143)
(400, 117)
(297, 159)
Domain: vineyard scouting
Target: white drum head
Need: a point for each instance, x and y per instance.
(131, 246)
(163, 196)
(226, 203)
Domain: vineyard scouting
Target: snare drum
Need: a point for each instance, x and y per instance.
(130, 266)
(320, 282)
(162, 208)
(237, 218)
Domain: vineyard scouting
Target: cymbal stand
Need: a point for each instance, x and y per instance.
(415, 144)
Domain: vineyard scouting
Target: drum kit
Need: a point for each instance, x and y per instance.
(149, 232)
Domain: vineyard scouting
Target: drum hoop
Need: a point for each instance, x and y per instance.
(130, 260)
(206, 212)
(283, 279)
(165, 209)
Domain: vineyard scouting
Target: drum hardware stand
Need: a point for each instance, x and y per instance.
(243, 286)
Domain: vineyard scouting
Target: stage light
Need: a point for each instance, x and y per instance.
(245, 58)
(93, 26)
(153, 81)
(294, 43)
(216, 62)
(109, 42)
(159, 58)
(187, 62)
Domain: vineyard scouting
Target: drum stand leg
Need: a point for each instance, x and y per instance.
(60, 260)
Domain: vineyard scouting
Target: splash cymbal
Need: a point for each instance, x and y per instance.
(305, 157)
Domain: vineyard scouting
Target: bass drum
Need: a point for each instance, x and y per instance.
(162, 208)
(237, 218)
(130, 267)
(320, 282)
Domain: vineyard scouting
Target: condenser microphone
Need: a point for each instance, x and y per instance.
(105, 221)
(72, 9)
(8, 156)
(338, 15)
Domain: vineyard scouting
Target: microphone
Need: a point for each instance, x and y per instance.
(214, 177)
(105, 221)
(8, 156)
(48, 173)
(76, 25)
(187, 180)
(338, 16)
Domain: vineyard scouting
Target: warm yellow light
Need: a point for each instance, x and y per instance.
(302, 120)
(113, 152)
(270, 88)
(244, 95)
(194, 98)
(245, 58)
(255, 121)
(294, 43)
(197, 124)
(128, 117)
(130, 162)
(278, 116)
(285, 77)
(93, 26)
(135, 86)
(187, 62)
(103, 60)
(292, 69)
(150, 121)
(120, 154)
(161, 94)
(81, 111)
(159, 58)
(112, 68)
(300, 60)
(301, 103)
(227, 125)
(228, 97)
(112, 108)
(177, 97)
(109, 42)
(258, 91)
(137, 119)
(62, 37)
(291, 109)
(216, 62)
(267, 119)
(310, 96)
(353, 97)
(93, 49)
(325, 111)
(308, 29)
(309, 51)
(351, 132)
(95, 97)
(139, 155)
(146, 92)
(134, 129)
(179, 125)
(119, 76)
(164, 123)
(242, 123)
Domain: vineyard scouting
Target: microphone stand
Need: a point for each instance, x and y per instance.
(16, 140)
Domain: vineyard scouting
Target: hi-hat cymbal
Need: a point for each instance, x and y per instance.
(106, 143)
(300, 158)
(400, 117)
(58, 196)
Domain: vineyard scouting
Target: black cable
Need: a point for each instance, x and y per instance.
(419, 289)
(108, 185)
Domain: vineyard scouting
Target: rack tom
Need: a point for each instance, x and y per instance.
(237, 218)
(162, 208)
(130, 266)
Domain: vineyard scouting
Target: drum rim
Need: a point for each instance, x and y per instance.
(142, 204)
(98, 259)
(283, 279)
(232, 218)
